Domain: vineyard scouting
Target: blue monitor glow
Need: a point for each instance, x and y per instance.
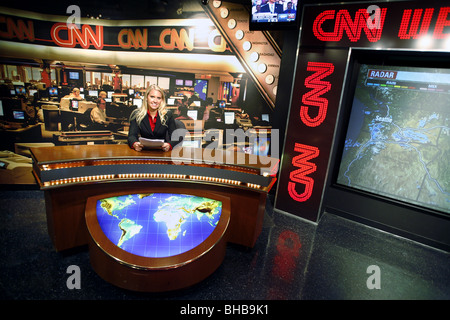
(53, 92)
(158, 225)
(18, 115)
(20, 90)
(73, 75)
(201, 88)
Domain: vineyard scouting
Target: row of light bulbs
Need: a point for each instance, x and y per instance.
(102, 177)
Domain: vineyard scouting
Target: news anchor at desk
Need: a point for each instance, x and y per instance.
(152, 121)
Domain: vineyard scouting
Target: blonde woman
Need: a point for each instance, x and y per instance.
(152, 121)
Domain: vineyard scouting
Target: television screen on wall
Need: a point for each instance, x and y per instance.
(392, 143)
(274, 14)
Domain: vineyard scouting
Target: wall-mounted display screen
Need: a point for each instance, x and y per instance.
(274, 14)
(157, 225)
(397, 143)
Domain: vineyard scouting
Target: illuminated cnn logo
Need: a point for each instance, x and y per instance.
(301, 186)
(370, 20)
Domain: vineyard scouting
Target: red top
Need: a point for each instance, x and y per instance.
(152, 120)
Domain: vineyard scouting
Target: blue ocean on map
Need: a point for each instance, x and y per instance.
(158, 224)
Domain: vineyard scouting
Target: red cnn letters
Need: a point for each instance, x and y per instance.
(313, 98)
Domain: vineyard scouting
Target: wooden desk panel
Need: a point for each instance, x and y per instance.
(66, 198)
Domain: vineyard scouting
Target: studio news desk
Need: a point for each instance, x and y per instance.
(74, 178)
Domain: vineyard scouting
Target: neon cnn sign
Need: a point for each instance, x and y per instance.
(343, 22)
(312, 99)
(84, 37)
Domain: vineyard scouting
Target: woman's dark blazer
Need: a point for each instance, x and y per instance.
(161, 132)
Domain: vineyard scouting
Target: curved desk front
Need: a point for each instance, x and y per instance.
(69, 175)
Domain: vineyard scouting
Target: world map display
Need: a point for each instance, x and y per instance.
(398, 137)
(158, 225)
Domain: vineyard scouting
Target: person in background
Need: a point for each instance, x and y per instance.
(98, 114)
(152, 121)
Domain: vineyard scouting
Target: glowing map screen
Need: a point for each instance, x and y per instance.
(158, 225)
(397, 143)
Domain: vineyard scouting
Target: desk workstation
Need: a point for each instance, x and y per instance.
(76, 178)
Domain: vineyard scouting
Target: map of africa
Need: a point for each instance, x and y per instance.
(397, 143)
(158, 225)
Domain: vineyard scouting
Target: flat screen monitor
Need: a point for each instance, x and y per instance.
(179, 82)
(390, 159)
(192, 143)
(2, 113)
(137, 102)
(74, 104)
(53, 92)
(31, 92)
(188, 83)
(20, 90)
(18, 115)
(265, 117)
(110, 93)
(272, 15)
(170, 101)
(74, 75)
(193, 114)
(228, 117)
(13, 92)
(201, 88)
(222, 104)
(93, 93)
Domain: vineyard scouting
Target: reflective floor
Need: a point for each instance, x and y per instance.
(292, 260)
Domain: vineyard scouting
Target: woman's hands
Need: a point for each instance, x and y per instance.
(165, 146)
(139, 146)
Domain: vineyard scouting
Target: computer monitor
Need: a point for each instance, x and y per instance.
(20, 90)
(2, 112)
(74, 104)
(18, 115)
(265, 117)
(93, 93)
(282, 16)
(389, 162)
(31, 92)
(109, 93)
(130, 92)
(53, 92)
(74, 75)
(170, 101)
(179, 82)
(228, 117)
(137, 102)
(222, 104)
(193, 114)
(188, 83)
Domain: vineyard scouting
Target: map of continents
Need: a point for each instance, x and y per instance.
(158, 224)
